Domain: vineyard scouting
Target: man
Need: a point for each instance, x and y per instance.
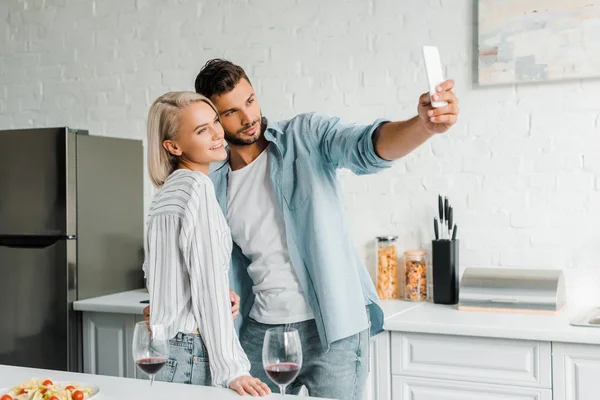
(294, 263)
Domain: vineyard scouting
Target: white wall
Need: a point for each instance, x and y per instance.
(522, 167)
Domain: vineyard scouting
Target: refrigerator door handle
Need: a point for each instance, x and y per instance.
(32, 242)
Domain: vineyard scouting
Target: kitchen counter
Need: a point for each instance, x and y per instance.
(129, 303)
(393, 308)
(118, 303)
(112, 388)
(447, 320)
(423, 317)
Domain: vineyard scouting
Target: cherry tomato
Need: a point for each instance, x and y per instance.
(70, 388)
(53, 398)
(78, 395)
(43, 391)
(47, 382)
(22, 391)
(7, 397)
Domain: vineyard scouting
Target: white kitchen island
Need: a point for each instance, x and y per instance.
(114, 388)
(108, 324)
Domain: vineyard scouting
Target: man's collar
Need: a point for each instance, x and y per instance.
(272, 128)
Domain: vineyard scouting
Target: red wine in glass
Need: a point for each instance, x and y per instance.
(282, 355)
(150, 348)
(151, 365)
(283, 373)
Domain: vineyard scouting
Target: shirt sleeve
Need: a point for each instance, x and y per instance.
(345, 145)
(208, 266)
(162, 266)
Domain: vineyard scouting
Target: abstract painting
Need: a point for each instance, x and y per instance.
(538, 40)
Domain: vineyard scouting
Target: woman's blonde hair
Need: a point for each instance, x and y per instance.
(163, 124)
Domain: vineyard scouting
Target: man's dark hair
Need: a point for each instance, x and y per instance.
(218, 76)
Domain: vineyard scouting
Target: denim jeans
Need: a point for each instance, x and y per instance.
(188, 361)
(339, 373)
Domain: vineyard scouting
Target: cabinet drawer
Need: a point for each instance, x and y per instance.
(473, 359)
(406, 388)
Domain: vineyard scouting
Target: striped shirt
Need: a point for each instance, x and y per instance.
(188, 250)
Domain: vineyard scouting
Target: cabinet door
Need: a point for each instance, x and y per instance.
(576, 371)
(379, 386)
(107, 344)
(407, 388)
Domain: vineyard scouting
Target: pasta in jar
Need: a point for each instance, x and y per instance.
(387, 268)
(415, 275)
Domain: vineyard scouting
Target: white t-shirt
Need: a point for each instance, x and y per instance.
(257, 227)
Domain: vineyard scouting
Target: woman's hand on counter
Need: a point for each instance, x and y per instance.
(252, 386)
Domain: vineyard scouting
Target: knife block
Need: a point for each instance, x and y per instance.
(445, 271)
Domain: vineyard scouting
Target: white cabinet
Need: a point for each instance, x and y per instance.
(576, 371)
(475, 359)
(450, 367)
(107, 344)
(421, 366)
(379, 385)
(407, 388)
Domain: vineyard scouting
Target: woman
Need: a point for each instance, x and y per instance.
(188, 247)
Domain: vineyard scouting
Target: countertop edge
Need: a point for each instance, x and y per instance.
(542, 336)
(128, 302)
(109, 309)
(554, 329)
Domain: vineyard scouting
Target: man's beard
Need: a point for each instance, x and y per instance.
(238, 140)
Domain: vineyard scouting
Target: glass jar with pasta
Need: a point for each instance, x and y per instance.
(387, 267)
(415, 275)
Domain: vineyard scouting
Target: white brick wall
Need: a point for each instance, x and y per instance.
(522, 167)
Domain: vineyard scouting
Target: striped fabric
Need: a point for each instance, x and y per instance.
(188, 248)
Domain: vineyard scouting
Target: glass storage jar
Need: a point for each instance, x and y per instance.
(387, 267)
(415, 275)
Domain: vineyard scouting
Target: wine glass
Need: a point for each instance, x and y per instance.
(150, 348)
(282, 355)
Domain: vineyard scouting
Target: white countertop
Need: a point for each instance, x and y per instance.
(118, 303)
(129, 303)
(440, 319)
(393, 308)
(420, 317)
(112, 388)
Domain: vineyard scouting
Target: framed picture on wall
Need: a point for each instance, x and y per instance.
(538, 40)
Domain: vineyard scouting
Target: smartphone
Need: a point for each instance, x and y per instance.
(435, 73)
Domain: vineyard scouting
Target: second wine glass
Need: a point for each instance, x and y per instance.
(150, 348)
(282, 356)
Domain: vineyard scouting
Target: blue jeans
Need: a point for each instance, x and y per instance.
(188, 361)
(340, 373)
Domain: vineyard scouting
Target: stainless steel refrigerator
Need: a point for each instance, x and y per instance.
(71, 228)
